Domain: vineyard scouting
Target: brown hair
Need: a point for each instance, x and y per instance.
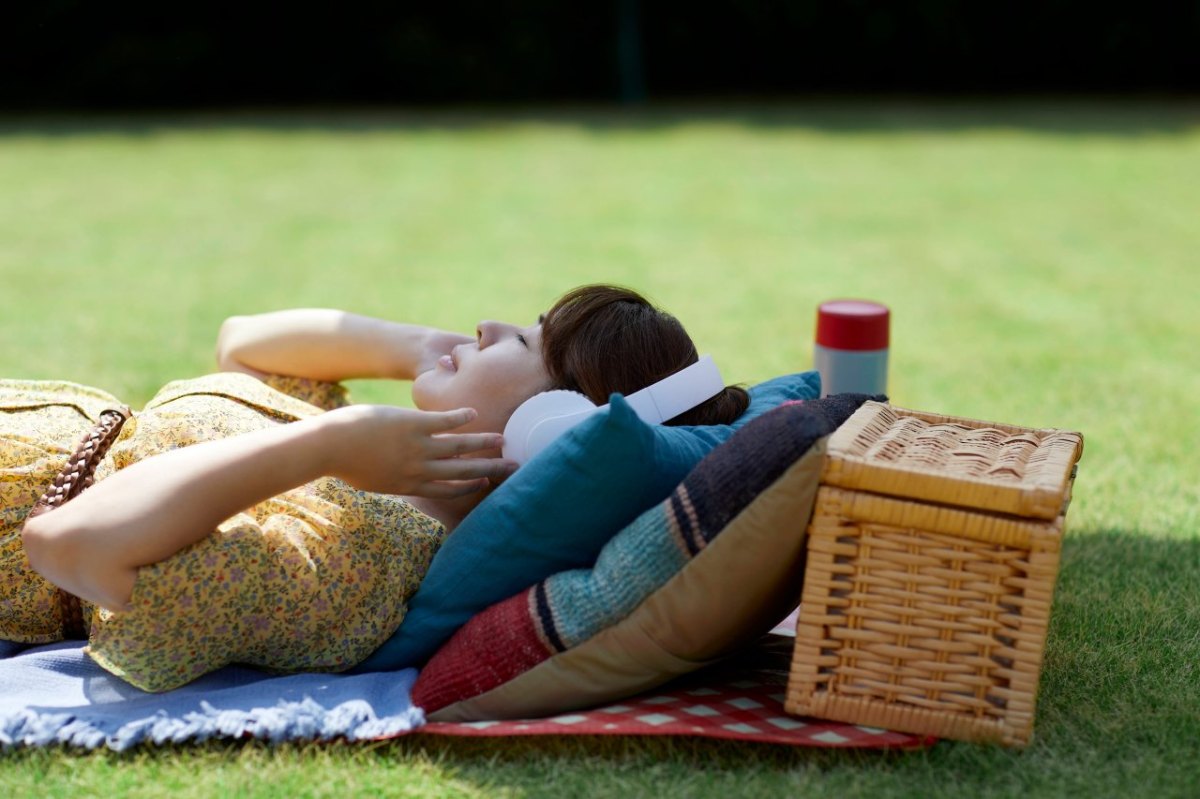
(599, 339)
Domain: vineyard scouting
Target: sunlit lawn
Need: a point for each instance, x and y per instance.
(1040, 261)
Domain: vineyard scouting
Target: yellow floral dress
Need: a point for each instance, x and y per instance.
(314, 579)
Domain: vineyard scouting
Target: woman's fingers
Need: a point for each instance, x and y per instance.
(441, 459)
(452, 444)
(448, 445)
(442, 421)
(492, 469)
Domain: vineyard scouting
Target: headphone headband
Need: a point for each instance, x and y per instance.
(677, 393)
(542, 418)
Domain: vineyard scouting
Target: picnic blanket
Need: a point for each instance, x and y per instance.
(55, 694)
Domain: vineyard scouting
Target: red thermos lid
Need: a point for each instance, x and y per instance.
(852, 325)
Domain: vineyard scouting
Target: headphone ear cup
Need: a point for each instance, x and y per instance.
(542, 418)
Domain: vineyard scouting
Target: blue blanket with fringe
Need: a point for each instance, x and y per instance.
(55, 694)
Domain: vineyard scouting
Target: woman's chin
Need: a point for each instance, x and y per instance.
(424, 392)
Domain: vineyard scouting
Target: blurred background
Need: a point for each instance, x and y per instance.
(74, 54)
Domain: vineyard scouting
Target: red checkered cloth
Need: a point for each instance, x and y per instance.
(742, 700)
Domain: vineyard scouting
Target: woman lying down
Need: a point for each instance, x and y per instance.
(254, 515)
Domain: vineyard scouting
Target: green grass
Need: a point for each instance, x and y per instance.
(1040, 260)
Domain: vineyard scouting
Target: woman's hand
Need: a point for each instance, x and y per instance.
(401, 451)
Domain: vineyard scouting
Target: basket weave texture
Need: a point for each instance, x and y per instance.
(956, 461)
(926, 611)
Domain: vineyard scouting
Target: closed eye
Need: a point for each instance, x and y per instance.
(521, 339)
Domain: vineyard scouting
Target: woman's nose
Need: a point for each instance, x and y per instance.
(488, 332)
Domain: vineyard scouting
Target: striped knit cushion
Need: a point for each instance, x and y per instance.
(711, 568)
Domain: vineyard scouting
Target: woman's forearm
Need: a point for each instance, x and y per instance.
(93, 545)
(325, 344)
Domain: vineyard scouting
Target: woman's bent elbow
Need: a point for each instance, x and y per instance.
(58, 553)
(45, 546)
(226, 344)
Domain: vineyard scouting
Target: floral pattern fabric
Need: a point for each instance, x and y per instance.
(314, 579)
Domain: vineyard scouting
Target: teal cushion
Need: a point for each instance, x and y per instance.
(558, 511)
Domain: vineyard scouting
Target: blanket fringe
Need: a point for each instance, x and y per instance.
(303, 720)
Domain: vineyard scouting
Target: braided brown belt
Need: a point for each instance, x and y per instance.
(77, 475)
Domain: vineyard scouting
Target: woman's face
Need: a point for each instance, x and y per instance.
(502, 368)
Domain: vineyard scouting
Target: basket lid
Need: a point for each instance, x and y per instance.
(954, 460)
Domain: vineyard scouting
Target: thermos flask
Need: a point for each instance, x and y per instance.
(851, 350)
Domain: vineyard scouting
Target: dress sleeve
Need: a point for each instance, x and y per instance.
(323, 395)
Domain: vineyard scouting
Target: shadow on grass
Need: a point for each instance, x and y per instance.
(1116, 117)
(1124, 648)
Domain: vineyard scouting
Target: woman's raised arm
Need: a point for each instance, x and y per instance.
(93, 545)
(326, 344)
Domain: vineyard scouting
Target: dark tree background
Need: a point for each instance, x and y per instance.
(75, 54)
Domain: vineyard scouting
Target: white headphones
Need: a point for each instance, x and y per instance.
(544, 417)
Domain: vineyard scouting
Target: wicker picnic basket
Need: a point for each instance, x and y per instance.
(932, 556)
